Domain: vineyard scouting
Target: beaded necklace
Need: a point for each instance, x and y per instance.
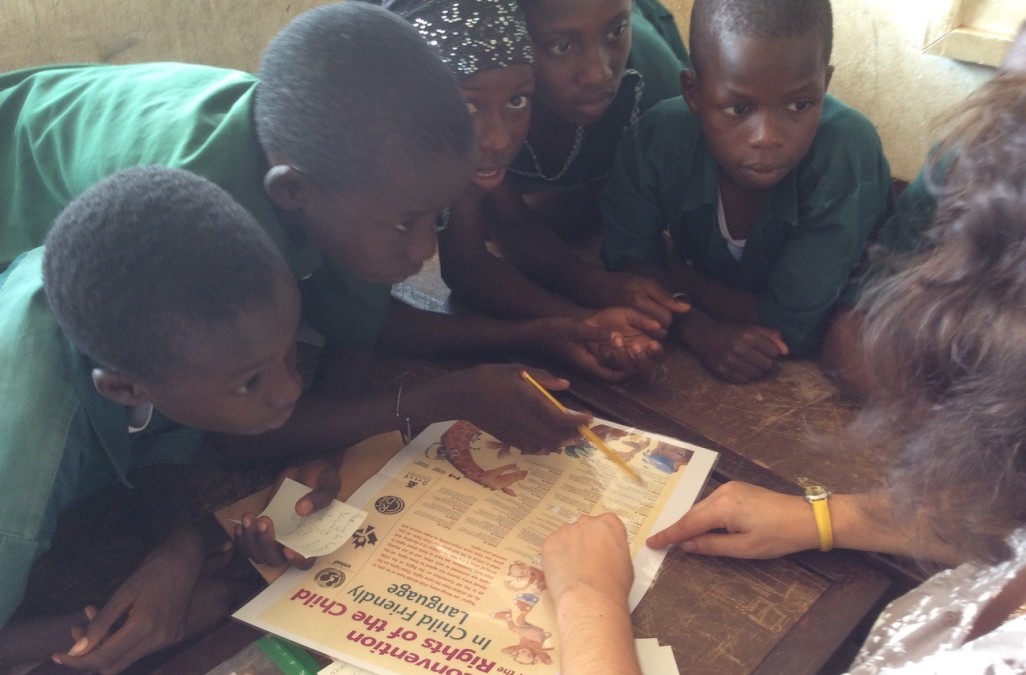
(575, 150)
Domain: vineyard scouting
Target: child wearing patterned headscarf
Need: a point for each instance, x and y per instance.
(589, 90)
(487, 47)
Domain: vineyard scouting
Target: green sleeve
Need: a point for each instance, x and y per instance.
(645, 188)
(844, 192)
(665, 25)
(37, 410)
(655, 56)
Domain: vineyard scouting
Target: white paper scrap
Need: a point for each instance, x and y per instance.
(342, 668)
(318, 534)
(655, 659)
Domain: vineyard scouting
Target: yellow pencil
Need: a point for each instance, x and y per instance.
(585, 430)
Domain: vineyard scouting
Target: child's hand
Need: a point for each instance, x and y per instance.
(735, 352)
(595, 350)
(759, 523)
(496, 398)
(633, 348)
(147, 612)
(628, 322)
(647, 296)
(255, 536)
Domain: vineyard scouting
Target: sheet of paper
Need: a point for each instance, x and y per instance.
(655, 659)
(341, 668)
(315, 535)
(445, 575)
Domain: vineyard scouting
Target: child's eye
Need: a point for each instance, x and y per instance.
(250, 385)
(560, 48)
(737, 110)
(799, 106)
(617, 32)
(519, 102)
(403, 227)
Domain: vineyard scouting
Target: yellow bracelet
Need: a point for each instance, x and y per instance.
(817, 495)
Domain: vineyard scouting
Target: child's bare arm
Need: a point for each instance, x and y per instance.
(34, 641)
(492, 396)
(718, 300)
(471, 271)
(538, 252)
(413, 331)
(735, 352)
(150, 609)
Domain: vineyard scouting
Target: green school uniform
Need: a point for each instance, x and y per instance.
(804, 245)
(900, 234)
(653, 74)
(61, 440)
(64, 128)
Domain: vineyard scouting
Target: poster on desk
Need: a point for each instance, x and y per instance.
(444, 575)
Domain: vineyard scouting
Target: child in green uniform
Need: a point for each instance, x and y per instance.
(599, 65)
(345, 149)
(157, 309)
(768, 187)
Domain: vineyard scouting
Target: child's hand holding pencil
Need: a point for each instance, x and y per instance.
(585, 430)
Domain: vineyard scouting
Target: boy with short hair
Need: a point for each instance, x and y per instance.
(345, 149)
(768, 187)
(157, 309)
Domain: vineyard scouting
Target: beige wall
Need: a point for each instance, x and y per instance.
(220, 32)
(881, 69)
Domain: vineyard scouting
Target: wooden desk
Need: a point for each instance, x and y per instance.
(719, 615)
(789, 615)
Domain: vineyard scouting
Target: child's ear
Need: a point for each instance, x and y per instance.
(689, 89)
(829, 74)
(119, 387)
(287, 186)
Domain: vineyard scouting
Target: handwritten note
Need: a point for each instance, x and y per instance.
(319, 533)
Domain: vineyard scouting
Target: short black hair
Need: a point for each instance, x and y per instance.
(759, 18)
(146, 253)
(345, 80)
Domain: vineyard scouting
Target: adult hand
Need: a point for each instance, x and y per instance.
(589, 556)
(759, 523)
(495, 398)
(147, 612)
(735, 352)
(255, 535)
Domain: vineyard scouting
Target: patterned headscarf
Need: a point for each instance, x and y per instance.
(470, 35)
